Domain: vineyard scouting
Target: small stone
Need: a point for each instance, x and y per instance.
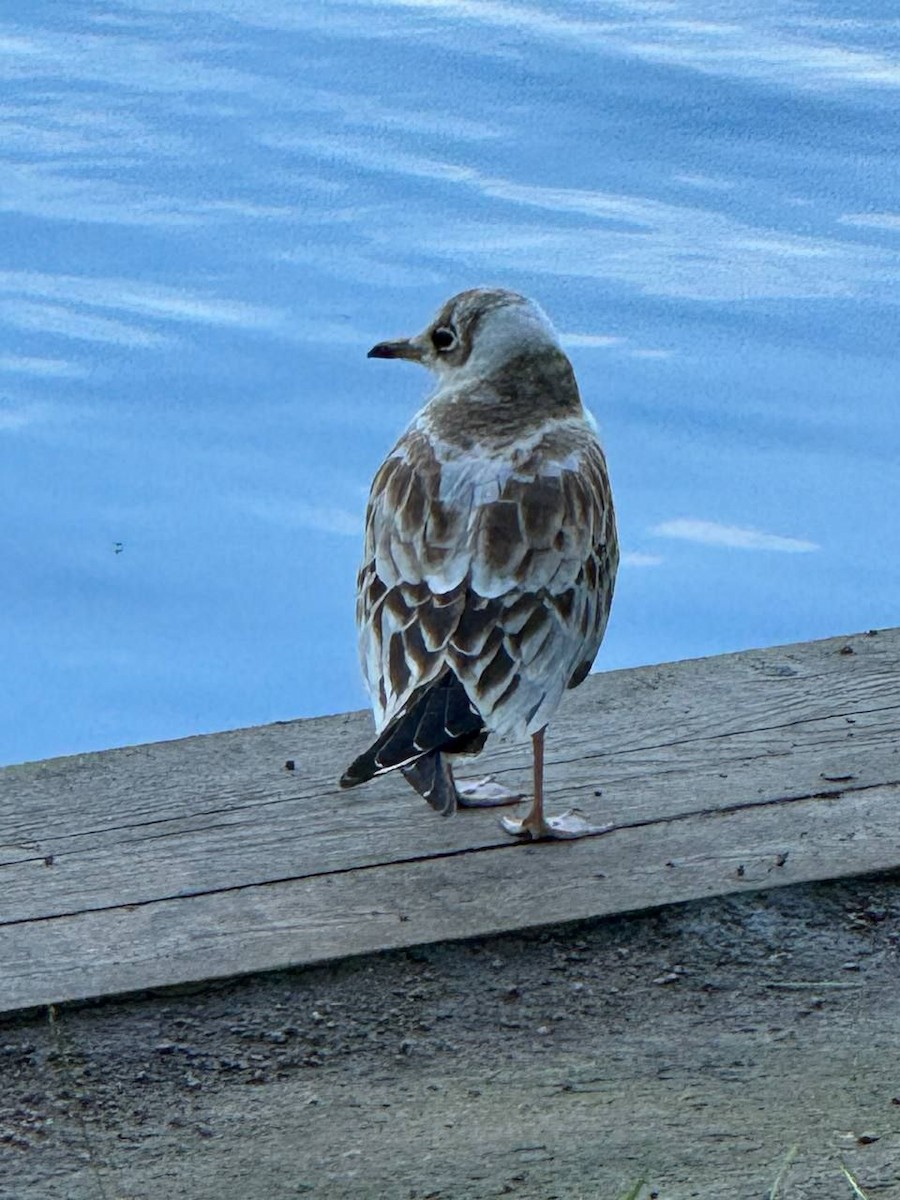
(666, 977)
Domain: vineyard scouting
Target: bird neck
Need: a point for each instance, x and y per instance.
(532, 388)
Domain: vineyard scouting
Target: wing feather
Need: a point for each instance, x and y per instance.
(505, 576)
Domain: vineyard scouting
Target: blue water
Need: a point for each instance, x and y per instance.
(210, 209)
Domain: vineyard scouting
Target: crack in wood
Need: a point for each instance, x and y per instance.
(730, 733)
(261, 800)
(502, 846)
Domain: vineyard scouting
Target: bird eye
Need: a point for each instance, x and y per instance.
(443, 338)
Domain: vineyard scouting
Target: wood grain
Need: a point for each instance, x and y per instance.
(205, 857)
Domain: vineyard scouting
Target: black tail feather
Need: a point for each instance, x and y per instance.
(432, 778)
(438, 718)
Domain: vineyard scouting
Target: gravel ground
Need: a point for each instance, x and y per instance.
(698, 1046)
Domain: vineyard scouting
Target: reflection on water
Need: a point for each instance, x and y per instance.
(211, 208)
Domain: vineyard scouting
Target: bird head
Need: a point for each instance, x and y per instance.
(475, 333)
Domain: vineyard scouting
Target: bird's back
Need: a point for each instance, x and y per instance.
(490, 552)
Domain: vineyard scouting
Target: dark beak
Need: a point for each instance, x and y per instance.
(403, 349)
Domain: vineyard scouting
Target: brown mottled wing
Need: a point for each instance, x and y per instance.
(411, 587)
(509, 584)
(542, 581)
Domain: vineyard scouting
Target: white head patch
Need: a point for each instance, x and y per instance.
(503, 333)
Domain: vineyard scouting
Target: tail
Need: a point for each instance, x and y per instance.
(432, 778)
(439, 718)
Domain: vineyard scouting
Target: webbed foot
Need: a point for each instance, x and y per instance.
(537, 827)
(484, 793)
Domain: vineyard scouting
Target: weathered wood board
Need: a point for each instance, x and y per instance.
(201, 858)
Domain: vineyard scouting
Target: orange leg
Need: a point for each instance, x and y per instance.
(535, 818)
(535, 825)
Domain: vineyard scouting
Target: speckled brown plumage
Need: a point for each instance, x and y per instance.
(490, 547)
(535, 567)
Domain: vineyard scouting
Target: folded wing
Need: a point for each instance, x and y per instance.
(497, 570)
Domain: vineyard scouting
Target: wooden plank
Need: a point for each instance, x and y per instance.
(293, 921)
(133, 825)
(191, 859)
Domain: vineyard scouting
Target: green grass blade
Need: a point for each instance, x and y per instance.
(635, 1191)
(782, 1170)
(857, 1190)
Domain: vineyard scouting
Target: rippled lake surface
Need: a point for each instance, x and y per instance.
(210, 210)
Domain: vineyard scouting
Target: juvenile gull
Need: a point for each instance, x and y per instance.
(490, 556)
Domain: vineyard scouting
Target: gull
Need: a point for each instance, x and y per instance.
(490, 557)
